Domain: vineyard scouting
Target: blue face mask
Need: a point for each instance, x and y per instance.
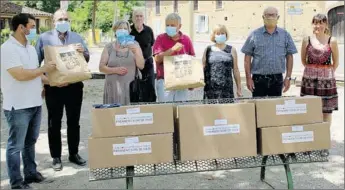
(32, 35)
(220, 39)
(171, 31)
(121, 33)
(62, 26)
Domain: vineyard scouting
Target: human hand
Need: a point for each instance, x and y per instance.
(239, 92)
(286, 85)
(250, 84)
(177, 47)
(79, 48)
(49, 67)
(120, 71)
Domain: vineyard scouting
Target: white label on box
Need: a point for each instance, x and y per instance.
(288, 109)
(132, 148)
(297, 128)
(221, 129)
(220, 122)
(131, 140)
(290, 102)
(133, 110)
(134, 119)
(297, 137)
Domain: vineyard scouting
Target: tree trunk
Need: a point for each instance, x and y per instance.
(94, 21)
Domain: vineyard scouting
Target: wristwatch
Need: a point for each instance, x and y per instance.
(287, 78)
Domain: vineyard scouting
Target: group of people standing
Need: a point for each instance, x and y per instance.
(268, 57)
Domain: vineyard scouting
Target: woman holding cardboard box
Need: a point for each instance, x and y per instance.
(120, 60)
(220, 62)
(319, 54)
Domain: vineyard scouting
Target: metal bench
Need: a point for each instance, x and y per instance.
(178, 167)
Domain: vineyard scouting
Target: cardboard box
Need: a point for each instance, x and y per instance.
(129, 151)
(216, 131)
(132, 120)
(298, 138)
(288, 111)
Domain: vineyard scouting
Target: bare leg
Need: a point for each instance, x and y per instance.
(327, 117)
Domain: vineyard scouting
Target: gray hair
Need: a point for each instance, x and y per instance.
(173, 17)
(61, 11)
(267, 9)
(120, 23)
(138, 11)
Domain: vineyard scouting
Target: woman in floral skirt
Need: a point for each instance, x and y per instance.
(320, 56)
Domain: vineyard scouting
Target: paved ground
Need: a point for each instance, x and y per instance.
(328, 175)
(200, 47)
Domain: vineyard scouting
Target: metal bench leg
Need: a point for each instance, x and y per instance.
(129, 177)
(287, 171)
(263, 168)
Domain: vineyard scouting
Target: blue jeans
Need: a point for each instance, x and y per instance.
(169, 96)
(24, 128)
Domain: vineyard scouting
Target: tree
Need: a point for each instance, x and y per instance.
(49, 6)
(94, 21)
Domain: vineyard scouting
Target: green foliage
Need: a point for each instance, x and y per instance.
(44, 29)
(81, 13)
(49, 6)
(5, 34)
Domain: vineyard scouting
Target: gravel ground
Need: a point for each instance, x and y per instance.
(328, 175)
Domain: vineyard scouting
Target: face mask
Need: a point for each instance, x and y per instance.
(171, 31)
(220, 39)
(121, 33)
(31, 35)
(62, 26)
(270, 22)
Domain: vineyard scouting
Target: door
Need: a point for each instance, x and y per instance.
(336, 23)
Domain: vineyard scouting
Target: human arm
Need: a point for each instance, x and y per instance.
(290, 50)
(236, 72)
(138, 55)
(103, 64)
(159, 52)
(335, 53)
(304, 51)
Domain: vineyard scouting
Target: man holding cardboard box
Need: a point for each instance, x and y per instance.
(20, 72)
(66, 95)
(271, 48)
(173, 42)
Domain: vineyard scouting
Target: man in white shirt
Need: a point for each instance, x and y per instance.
(21, 86)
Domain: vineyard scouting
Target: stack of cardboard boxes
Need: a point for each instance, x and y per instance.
(287, 125)
(131, 135)
(135, 135)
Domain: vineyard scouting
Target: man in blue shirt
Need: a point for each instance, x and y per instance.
(268, 54)
(69, 96)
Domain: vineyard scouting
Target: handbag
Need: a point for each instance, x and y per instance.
(141, 89)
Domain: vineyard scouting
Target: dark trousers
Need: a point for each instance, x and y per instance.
(70, 98)
(267, 85)
(149, 74)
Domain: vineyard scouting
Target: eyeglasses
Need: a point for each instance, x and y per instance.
(274, 15)
(63, 19)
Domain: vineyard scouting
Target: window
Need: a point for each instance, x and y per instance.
(196, 5)
(201, 23)
(38, 26)
(2, 24)
(158, 7)
(175, 6)
(219, 4)
(10, 23)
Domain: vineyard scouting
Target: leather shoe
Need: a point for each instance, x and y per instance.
(57, 165)
(35, 178)
(21, 186)
(77, 160)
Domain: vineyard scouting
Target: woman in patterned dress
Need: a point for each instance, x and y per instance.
(220, 62)
(320, 56)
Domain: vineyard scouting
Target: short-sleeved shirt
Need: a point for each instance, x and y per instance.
(164, 42)
(269, 51)
(19, 94)
(145, 38)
